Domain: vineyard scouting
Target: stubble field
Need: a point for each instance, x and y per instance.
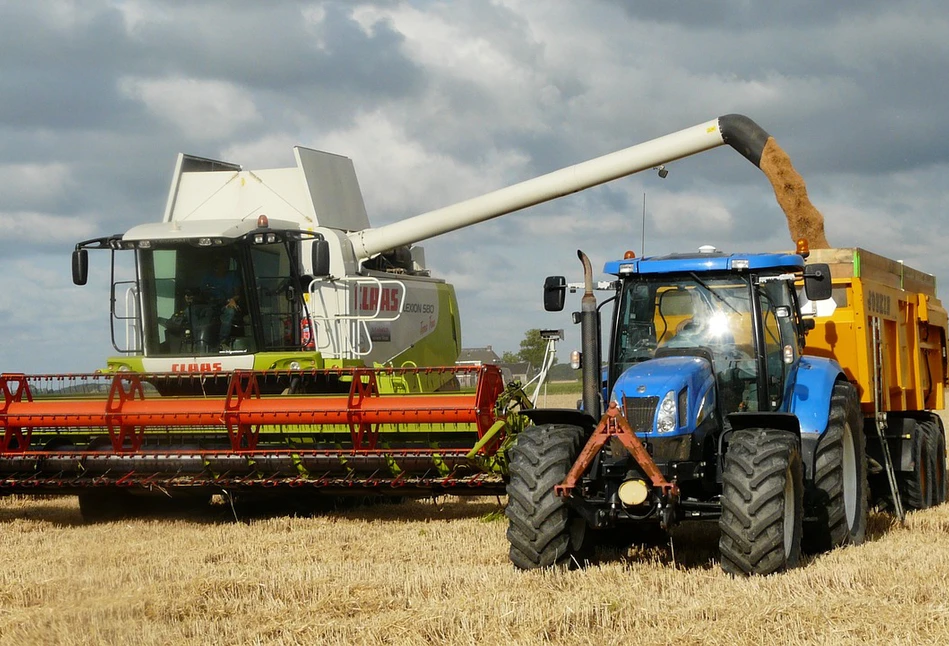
(433, 572)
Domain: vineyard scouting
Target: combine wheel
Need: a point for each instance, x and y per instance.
(103, 506)
(762, 502)
(936, 445)
(838, 503)
(543, 530)
(916, 485)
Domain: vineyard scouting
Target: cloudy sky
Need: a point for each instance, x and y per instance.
(437, 102)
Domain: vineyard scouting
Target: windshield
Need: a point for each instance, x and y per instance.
(691, 314)
(203, 301)
(682, 312)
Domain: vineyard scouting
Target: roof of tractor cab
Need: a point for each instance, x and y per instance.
(703, 262)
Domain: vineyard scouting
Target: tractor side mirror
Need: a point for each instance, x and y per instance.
(320, 256)
(555, 292)
(817, 285)
(80, 266)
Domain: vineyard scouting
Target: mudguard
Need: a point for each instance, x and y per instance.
(812, 391)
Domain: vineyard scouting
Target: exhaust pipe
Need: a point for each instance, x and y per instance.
(590, 342)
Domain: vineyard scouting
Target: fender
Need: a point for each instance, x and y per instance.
(811, 395)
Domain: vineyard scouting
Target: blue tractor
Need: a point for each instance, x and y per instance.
(712, 412)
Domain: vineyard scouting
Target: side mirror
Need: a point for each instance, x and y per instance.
(80, 266)
(555, 292)
(320, 257)
(817, 285)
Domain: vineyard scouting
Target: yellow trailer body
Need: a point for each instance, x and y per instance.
(886, 328)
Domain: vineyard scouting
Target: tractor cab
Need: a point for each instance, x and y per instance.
(704, 335)
(715, 318)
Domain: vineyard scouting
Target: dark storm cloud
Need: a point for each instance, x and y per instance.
(63, 97)
(744, 14)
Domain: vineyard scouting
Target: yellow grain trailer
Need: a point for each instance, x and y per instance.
(887, 329)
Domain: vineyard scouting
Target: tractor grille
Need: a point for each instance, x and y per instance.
(640, 412)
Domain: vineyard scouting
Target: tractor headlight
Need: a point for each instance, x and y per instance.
(666, 417)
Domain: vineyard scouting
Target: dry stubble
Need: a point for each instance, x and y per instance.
(422, 573)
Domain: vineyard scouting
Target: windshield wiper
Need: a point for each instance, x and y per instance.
(709, 290)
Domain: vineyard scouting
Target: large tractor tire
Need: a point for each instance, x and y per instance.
(762, 502)
(838, 504)
(936, 439)
(543, 530)
(916, 486)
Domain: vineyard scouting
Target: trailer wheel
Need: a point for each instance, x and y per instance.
(936, 441)
(916, 485)
(762, 502)
(543, 530)
(838, 502)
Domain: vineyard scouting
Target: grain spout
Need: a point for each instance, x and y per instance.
(804, 220)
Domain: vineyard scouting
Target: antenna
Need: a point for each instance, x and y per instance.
(642, 251)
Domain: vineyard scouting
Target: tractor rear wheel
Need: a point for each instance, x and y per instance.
(762, 502)
(543, 530)
(916, 485)
(837, 496)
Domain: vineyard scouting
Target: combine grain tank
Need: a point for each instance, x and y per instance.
(888, 330)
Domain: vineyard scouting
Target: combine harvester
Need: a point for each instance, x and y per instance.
(272, 343)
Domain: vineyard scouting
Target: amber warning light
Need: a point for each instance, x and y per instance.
(803, 250)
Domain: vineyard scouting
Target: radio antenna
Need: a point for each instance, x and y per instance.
(642, 251)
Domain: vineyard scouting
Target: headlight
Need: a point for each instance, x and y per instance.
(666, 418)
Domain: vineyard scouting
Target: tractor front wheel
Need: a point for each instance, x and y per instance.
(762, 502)
(543, 530)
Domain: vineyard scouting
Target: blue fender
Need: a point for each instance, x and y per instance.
(812, 391)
